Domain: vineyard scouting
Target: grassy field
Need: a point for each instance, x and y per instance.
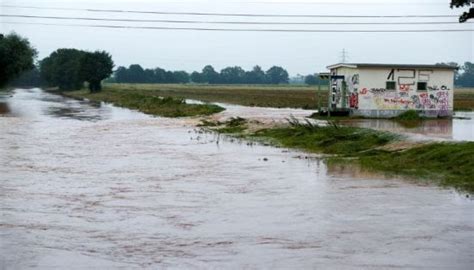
(446, 164)
(464, 99)
(147, 102)
(278, 96)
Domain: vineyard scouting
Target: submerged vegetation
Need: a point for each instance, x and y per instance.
(147, 103)
(448, 164)
(330, 139)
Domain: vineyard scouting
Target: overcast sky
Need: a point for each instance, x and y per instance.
(302, 53)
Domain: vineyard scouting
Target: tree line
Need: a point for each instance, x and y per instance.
(229, 75)
(68, 69)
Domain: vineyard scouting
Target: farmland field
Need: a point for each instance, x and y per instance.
(278, 96)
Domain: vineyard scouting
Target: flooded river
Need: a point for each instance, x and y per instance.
(99, 187)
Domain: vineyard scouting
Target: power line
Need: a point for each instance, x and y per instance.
(221, 22)
(246, 30)
(233, 14)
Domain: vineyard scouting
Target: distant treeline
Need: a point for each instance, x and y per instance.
(68, 69)
(228, 75)
(465, 77)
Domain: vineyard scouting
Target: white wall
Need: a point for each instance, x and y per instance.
(367, 89)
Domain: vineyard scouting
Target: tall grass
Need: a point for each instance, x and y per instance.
(330, 139)
(148, 103)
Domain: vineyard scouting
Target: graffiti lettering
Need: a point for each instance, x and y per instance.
(354, 100)
(355, 79)
(377, 91)
(404, 87)
(436, 88)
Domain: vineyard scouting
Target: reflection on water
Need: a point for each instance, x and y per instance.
(4, 109)
(131, 191)
(458, 129)
(439, 128)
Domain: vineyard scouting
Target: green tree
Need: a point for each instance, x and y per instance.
(255, 76)
(136, 74)
(277, 75)
(95, 67)
(16, 57)
(210, 75)
(30, 78)
(461, 3)
(232, 75)
(197, 77)
(311, 80)
(121, 75)
(466, 78)
(63, 69)
(180, 77)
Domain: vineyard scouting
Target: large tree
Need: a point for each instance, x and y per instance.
(63, 69)
(232, 75)
(210, 75)
(466, 78)
(95, 67)
(277, 75)
(461, 3)
(311, 80)
(255, 76)
(16, 57)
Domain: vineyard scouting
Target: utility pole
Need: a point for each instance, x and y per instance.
(344, 56)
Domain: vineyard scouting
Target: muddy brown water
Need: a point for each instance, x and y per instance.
(100, 187)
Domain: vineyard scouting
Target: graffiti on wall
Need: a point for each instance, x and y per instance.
(354, 91)
(336, 90)
(407, 96)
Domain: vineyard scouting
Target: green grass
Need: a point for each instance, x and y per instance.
(147, 102)
(449, 164)
(410, 115)
(332, 139)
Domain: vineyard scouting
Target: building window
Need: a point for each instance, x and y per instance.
(422, 86)
(391, 86)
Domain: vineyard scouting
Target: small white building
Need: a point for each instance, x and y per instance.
(386, 90)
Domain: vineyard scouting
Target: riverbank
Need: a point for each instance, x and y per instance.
(146, 102)
(445, 164)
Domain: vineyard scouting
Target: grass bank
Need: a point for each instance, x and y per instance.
(446, 164)
(147, 102)
(277, 96)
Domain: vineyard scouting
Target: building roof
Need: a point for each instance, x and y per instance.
(369, 65)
